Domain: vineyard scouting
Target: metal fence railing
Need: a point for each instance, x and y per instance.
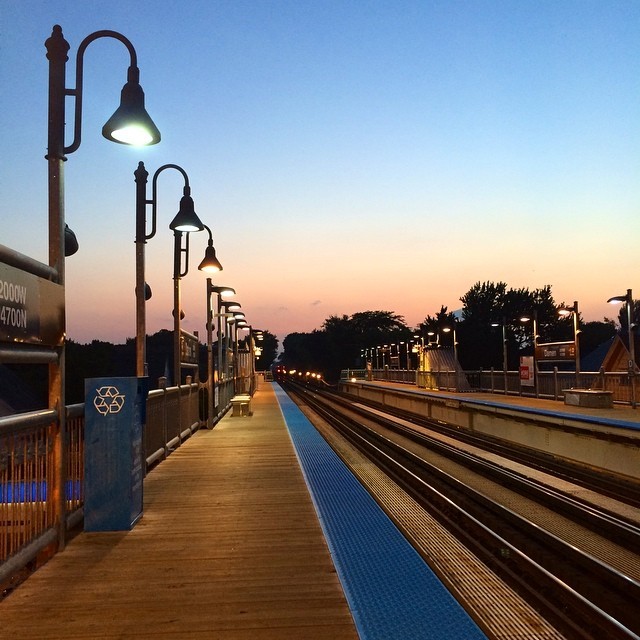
(33, 499)
(548, 385)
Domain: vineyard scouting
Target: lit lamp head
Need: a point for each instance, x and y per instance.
(618, 299)
(131, 124)
(564, 310)
(186, 219)
(225, 292)
(210, 264)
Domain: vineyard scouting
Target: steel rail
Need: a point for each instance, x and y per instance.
(613, 487)
(595, 518)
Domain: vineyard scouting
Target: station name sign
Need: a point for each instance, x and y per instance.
(31, 308)
(556, 351)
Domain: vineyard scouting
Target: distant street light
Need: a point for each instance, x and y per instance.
(219, 292)
(567, 311)
(209, 264)
(230, 307)
(455, 340)
(504, 350)
(628, 300)
(528, 318)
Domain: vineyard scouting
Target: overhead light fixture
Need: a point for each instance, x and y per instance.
(131, 124)
(210, 264)
(186, 220)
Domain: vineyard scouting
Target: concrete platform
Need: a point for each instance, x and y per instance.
(606, 439)
(619, 414)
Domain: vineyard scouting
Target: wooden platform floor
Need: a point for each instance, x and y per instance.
(229, 547)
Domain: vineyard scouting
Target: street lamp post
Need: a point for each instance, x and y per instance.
(232, 307)
(240, 325)
(209, 264)
(526, 318)
(455, 341)
(565, 311)
(452, 330)
(505, 363)
(211, 383)
(420, 346)
(130, 124)
(627, 299)
(186, 220)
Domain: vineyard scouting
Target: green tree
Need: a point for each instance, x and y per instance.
(341, 341)
(491, 308)
(479, 338)
(431, 328)
(593, 334)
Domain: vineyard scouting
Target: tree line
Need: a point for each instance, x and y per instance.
(98, 359)
(490, 312)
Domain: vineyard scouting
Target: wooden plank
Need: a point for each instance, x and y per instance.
(229, 547)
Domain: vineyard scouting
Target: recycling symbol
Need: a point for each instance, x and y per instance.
(108, 400)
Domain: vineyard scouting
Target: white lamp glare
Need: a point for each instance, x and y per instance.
(134, 135)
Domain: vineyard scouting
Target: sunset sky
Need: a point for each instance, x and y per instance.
(348, 155)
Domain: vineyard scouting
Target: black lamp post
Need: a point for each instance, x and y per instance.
(627, 299)
(186, 220)
(219, 291)
(505, 363)
(231, 307)
(566, 311)
(209, 264)
(533, 318)
(130, 124)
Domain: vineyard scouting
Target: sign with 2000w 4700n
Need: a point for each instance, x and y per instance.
(31, 308)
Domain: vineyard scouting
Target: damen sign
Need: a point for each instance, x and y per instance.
(31, 308)
(556, 351)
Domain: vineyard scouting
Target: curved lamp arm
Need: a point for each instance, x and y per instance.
(154, 193)
(132, 96)
(132, 75)
(187, 212)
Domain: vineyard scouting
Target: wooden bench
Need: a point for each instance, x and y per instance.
(241, 405)
(593, 398)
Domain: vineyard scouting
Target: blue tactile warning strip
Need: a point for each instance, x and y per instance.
(391, 591)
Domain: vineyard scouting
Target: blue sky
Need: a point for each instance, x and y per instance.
(348, 156)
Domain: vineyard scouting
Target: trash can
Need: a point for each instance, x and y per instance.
(115, 412)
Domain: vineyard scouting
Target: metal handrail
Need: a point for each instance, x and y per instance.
(28, 520)
(550, 385)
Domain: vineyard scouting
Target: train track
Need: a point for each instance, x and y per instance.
(576, 563)
(606, 484)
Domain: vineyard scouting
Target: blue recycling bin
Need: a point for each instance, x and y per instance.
(115, 412)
